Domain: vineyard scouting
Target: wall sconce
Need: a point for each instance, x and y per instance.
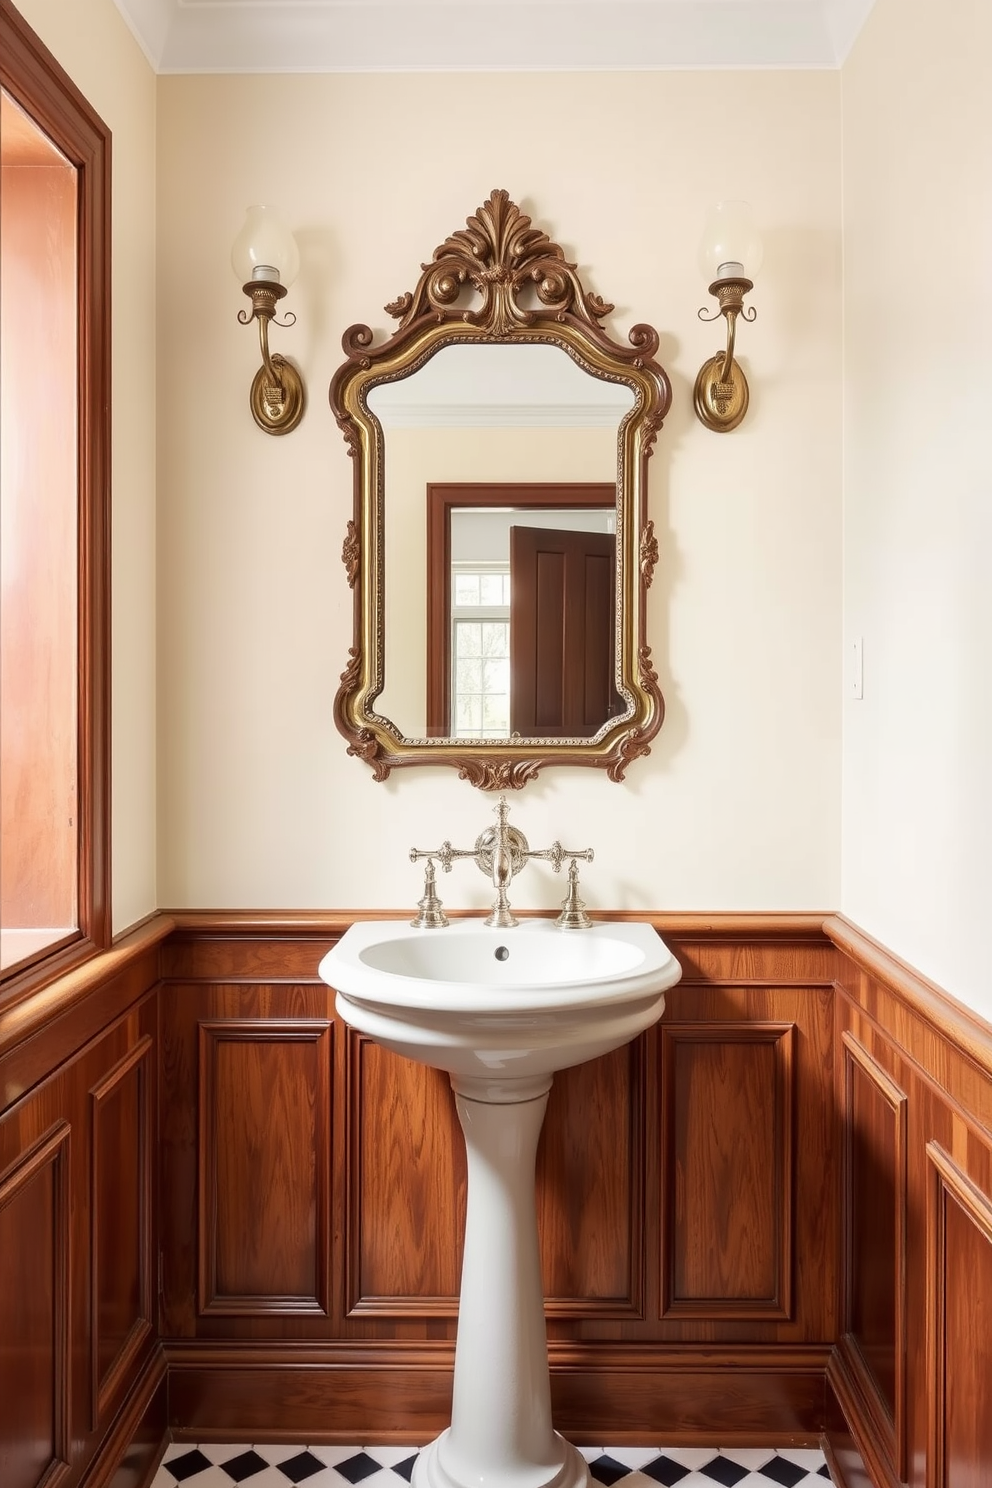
(266, 260)
(729, 242)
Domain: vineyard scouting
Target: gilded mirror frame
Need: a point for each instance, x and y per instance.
(522, 290)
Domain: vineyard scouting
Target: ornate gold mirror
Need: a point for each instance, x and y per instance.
(500, 551)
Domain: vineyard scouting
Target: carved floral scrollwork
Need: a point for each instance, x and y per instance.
(648, 675)
(365, 746)
(501, 255)
(493, 775)
(649, 553)
(351, 552)
(352, 672)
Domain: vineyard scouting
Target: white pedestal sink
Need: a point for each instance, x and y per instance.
(500, 1011)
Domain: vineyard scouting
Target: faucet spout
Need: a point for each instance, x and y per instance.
(503, 870)
(504, 840)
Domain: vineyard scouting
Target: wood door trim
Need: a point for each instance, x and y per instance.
(32, 76)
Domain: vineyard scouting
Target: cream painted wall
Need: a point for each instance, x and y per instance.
(917, 818)
(93, 44)
(738, 804)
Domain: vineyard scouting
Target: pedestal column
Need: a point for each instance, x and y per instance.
(501, 1434)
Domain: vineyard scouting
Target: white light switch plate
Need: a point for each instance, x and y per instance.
(857, 667)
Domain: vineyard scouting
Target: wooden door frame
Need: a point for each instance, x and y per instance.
(442, 498)
(36, 81)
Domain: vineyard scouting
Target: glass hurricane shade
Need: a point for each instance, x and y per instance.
(730, 246)
(265, 249)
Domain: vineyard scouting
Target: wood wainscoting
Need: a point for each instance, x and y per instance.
(225, 1214)
(313, 1193)
(911, 1378)
(82, 1374)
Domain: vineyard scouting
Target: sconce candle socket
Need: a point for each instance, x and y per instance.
(266, 260)
(720, 395)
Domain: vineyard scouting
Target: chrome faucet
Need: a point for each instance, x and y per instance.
(500, 852)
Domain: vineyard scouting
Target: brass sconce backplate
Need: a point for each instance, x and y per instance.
(720, 405)
(277, 407)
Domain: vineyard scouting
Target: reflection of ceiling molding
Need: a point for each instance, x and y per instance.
(491, 35)
(501, 416)
(504, 386)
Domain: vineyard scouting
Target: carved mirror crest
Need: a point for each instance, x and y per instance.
(500, 439)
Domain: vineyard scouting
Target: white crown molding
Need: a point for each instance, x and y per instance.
(230, 36)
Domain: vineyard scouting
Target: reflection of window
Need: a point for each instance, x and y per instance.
(480, 651)
(54, 516)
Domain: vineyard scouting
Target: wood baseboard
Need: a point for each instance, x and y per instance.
(396, 1393)
(855, 1453)
(133, 1447)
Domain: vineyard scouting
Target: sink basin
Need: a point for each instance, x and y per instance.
(500, 1011)
(500, 1006)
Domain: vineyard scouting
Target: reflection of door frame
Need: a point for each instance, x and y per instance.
(441, 498)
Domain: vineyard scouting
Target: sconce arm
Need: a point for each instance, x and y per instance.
(277, 394)
(263, 341)
(728, 361)
(720, 395)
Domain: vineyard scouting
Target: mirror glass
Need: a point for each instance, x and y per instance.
(480, 441)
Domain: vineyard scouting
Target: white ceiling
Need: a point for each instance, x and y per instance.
(491, 35)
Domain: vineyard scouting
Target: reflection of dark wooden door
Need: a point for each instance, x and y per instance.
(561, 631)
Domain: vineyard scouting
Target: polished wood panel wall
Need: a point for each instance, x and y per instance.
(81, 1370)
(223, 1211)
(912, 1373)
(313, 1193)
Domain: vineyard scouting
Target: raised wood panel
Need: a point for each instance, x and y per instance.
(122, 1130)
(406, 1187)
(727, 1170)
(590, 1188)
(875, 1115)
(264, 1166)
(959, 1326)
(34, 1315)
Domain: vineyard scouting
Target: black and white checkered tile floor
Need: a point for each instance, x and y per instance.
(215, 1466)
